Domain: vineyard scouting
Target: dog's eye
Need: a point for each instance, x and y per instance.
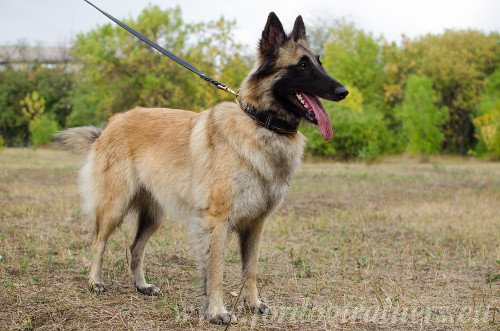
(304, 63)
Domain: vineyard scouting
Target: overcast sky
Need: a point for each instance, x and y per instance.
(55, 22)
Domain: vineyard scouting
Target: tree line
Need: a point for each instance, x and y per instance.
(438, 93)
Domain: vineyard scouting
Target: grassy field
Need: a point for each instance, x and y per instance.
(396, 245)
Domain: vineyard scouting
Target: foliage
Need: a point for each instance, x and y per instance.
(33, 105)
(119, 72)
(353, 57)
(421, 118)
(52, 84)
(457, 62)
(2, 143)
(14, 85)
(488, 133)
(384, 113)
(355, 99)
(42, 128)
(356, 134)
(487, 121)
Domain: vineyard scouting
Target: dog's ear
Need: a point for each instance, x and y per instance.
(273, 36)
(299, 29)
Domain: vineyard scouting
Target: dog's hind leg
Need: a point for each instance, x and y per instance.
(149, 221)
(249, 249)
(108, 195)
(106, 223)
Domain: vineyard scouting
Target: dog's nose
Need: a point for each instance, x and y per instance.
(341, 92)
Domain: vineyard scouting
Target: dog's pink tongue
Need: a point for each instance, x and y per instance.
(324, 125)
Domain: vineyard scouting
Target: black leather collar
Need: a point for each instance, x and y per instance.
(271, 121)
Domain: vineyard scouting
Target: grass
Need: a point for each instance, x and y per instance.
(396, 245)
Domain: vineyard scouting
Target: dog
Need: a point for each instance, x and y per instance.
(222, 170)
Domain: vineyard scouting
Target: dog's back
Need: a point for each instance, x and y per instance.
(189, 162)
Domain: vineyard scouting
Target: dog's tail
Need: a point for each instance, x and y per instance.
(77, 140)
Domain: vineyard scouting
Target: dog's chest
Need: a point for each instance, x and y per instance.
(261, 189)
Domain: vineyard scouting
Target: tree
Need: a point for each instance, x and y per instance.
(358, 133)
(52, 84)
(458, 63)
(120, 72)
(55, 85)
(14, 85)
(353, 56)
(421, 118)
(487, 121)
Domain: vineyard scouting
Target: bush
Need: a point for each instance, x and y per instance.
(361, 135)
(488, 134)
(487, 121)
(2, 143)
(421, 118)
(42, 128)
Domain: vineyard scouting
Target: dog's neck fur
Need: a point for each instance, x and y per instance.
(257, 101)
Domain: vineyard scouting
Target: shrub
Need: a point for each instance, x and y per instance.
(487, 121)
(356, 134)
(488, 134)
(42, 128)
(421, 117)
(2, 143)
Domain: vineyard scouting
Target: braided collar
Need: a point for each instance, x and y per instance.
(271, 121)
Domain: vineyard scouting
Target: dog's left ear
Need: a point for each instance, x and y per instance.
(299, 29)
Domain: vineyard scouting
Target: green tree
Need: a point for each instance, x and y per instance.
(41, 126)
(421, 118)
(353, 56)
(14, 85)
(119, 72)
(54, 84)
(357, 133)
(487, 120)
(458, 63)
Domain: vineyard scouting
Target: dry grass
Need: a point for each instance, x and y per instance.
(390, 246)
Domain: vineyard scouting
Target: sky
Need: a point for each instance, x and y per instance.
(56, 22)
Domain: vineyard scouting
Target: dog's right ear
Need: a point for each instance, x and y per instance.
(299, 29)
(273, 36)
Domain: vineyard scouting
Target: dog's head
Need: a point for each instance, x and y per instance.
(289, 78)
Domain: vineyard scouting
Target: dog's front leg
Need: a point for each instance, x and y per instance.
(211, 242)
(249, 249)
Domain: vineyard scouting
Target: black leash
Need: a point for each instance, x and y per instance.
(168, 54)
(267, 119)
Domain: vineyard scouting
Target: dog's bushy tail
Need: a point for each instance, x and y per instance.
(77, 140)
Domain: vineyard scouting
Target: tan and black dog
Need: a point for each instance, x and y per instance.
(224, 169)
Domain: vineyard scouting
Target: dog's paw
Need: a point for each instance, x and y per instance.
(150, 290)
(97, 288)
(221, 319)
(261, 309)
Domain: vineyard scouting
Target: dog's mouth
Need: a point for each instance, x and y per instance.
(313, 111)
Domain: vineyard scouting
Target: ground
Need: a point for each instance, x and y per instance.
(395, 245)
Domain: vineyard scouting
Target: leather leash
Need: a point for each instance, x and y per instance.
(265, 118)
(165, 52)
